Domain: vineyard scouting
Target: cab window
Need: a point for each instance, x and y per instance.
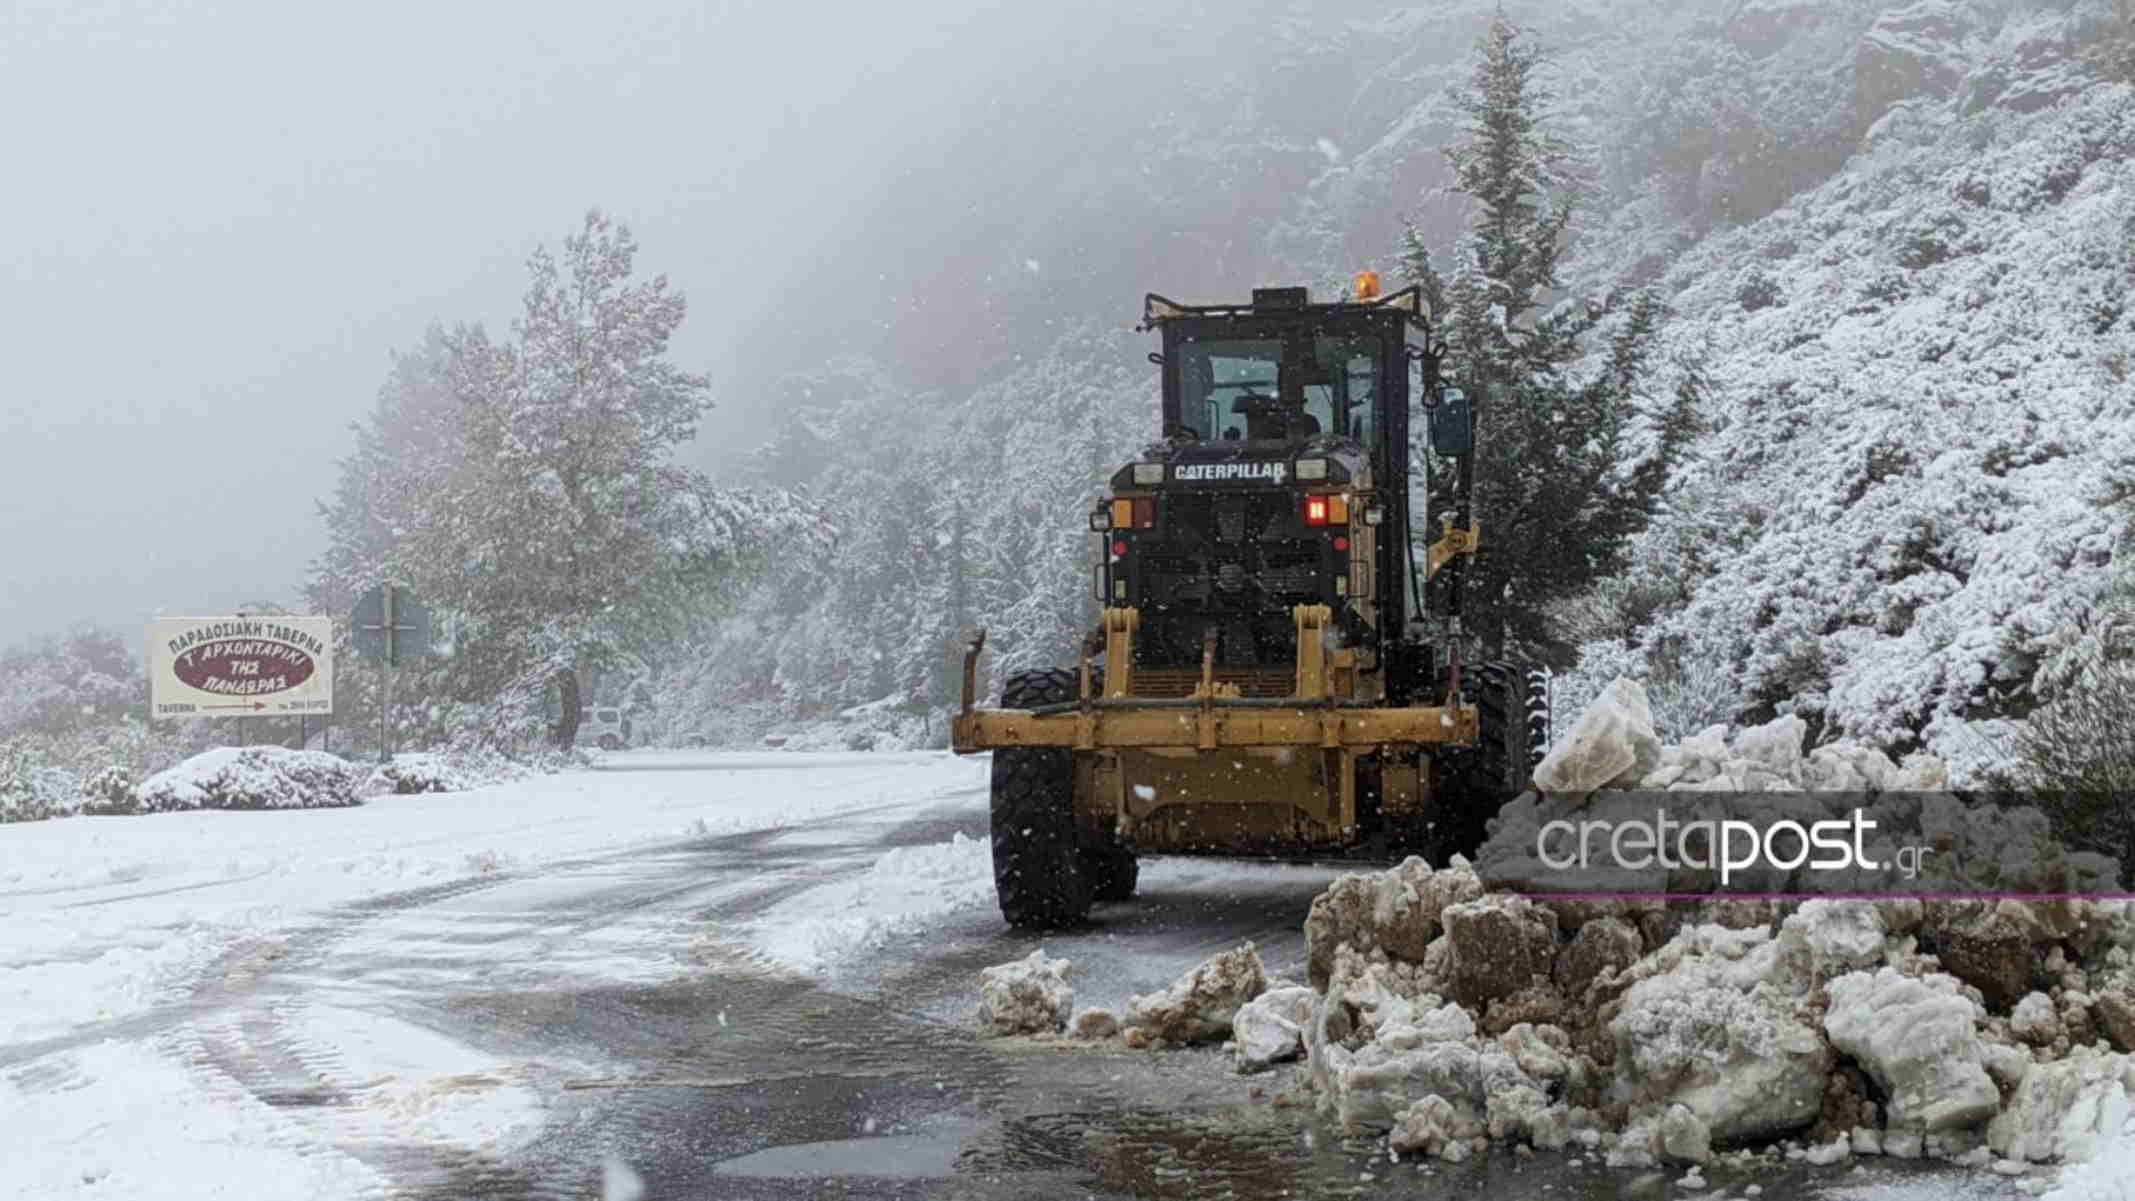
(1343, 393)
(1249, 389)
(1221, 384)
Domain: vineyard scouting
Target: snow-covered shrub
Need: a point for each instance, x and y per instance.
(110, 792)
(406, 775)
(1693, 691)
(884, 725)
(31, 789)
(1688, 688)
(458, 771)
(255, 777)
(549, 760)
(514, 722)
(1757, 290)
(2078, 752)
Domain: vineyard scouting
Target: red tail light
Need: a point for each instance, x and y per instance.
(1341, 543)
(1315, 510)
(1119, 547)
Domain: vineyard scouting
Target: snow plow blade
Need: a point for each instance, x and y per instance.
(1211, 725)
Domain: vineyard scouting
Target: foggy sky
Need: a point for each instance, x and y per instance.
(221, 218)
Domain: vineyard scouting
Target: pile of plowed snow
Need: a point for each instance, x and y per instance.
(1449, 1013)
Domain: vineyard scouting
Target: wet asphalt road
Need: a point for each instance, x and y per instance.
(729, 1079)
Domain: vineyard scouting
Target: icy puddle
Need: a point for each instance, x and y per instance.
(902, 1157)
(1216, 1155)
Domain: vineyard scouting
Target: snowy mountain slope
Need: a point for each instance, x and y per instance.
(1893, 235)
(1923, 379)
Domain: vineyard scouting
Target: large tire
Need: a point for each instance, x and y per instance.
(1040, 875)
(1498, 768)
(1541, 718)
(1113, 874)
(1044, 686)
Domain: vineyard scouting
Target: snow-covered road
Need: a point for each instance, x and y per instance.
(174, 987)
(741, 976)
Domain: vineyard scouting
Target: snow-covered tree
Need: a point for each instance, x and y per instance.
(527, 490)
(1566, 463)
(412, 439)
(59, 685)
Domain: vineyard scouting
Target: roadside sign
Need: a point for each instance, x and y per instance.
(240, 666)
(389, 624)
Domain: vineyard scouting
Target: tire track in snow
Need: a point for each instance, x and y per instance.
(235, 1029)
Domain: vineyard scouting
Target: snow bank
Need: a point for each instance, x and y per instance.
(903, 893)
(253, 777)
(1449, 1013)
(2104, 1176)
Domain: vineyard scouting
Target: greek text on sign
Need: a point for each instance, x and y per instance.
(238, 666)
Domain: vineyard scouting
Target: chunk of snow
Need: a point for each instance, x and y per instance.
(1915, 1037)
(1271, 1027)
(1025, 996)
(1199, 1006)
(1091, 1023)
(1613, 740)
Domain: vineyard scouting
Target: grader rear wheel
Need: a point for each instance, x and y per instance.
(1498, 768)
(1113, 874)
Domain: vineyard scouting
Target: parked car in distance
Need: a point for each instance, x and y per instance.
(606, 727)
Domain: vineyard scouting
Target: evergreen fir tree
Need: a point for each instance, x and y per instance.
(1567, 463)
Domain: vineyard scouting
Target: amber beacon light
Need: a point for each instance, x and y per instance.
(1367, 285)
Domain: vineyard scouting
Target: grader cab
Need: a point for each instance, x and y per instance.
(1259, 682)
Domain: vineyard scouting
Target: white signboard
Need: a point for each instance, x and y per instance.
(240, 666)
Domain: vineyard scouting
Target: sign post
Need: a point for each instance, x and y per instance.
(388, 623)
(240, 666)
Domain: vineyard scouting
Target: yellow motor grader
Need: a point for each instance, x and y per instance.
(1260, 682)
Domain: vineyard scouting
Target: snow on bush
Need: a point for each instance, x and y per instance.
(109, 791)
(31, 789)
(256, 777)
(406, 775)
(87, 769)
(1449, 1016)
(884, 725)
(451, 771)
